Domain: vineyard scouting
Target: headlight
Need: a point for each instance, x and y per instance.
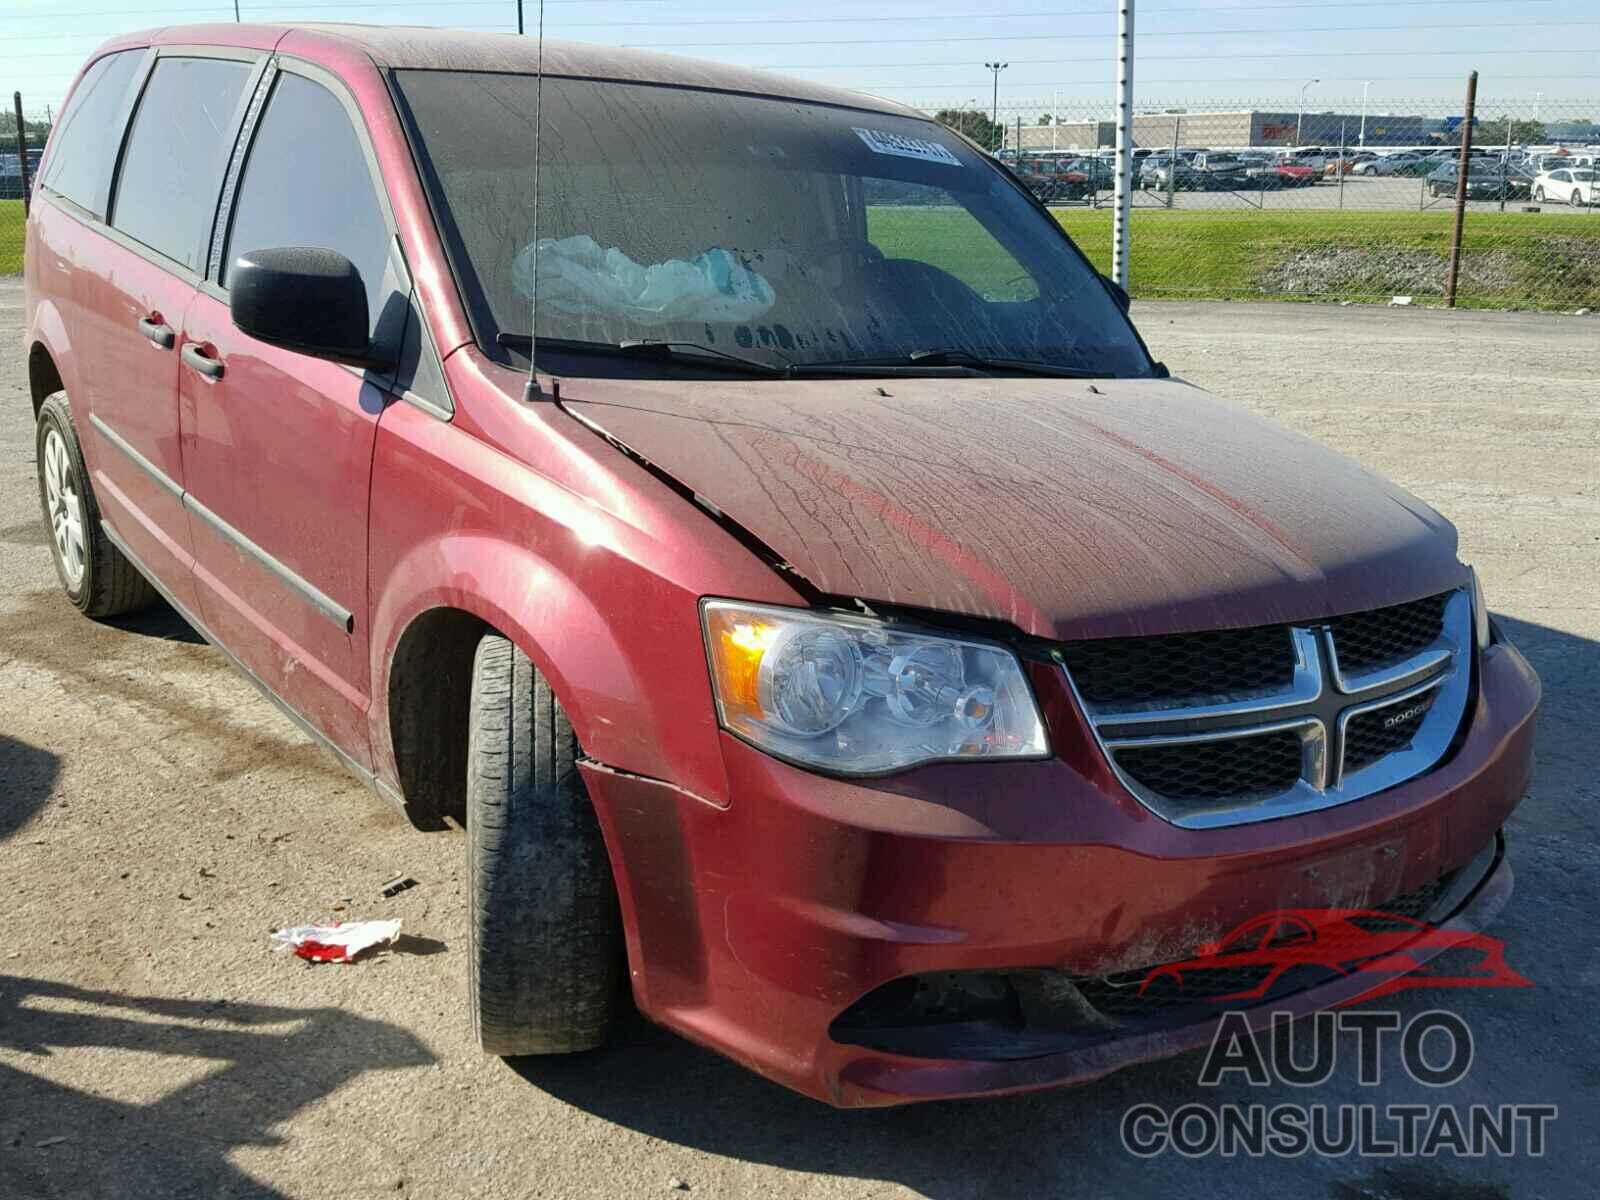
(856, 697)
(1480, 612)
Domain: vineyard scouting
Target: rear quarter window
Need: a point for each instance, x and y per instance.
(178, 148)
(83, 149)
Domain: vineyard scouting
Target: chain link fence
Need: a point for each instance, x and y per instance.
(1264, 199)
(1284, 200)
(19, 160)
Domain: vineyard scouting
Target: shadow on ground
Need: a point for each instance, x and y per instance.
(1068, 1142)
(28, 775)
(263, 1064)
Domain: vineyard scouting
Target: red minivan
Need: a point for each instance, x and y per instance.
(740, 506)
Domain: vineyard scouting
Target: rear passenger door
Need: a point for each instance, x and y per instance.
(277, 445)
(141, 279)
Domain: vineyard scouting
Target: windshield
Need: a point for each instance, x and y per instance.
(786, 232)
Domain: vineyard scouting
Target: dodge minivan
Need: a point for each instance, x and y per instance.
(739, 506)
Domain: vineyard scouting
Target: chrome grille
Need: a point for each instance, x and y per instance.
(1311, 716)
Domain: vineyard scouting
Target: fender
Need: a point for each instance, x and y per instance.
(525, 598)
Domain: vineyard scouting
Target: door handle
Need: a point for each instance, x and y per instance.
(157, 332)
(194, 356)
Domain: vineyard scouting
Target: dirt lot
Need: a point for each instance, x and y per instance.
(157, 819)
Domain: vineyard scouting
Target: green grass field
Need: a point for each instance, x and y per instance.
(10, 237)
(1520, 260)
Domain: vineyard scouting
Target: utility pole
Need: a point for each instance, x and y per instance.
(1122, 194)
(1300, 121)
(994, 104)
(1362, 138)
(236, 12)
(519, 16)
(1461, 191)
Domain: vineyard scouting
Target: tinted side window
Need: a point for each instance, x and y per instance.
(177, 151)
(306, 183)
(84, 145)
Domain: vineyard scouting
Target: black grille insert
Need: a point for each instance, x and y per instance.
(1371, 735)
(1385, 635)
(1224, 662)
(1263, 765)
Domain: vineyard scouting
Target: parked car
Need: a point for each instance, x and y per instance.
(11, 178)
(1051, 180)
(832, 626)
(1218, 171)
(1486, 180)
(1569, 185)
(1265, 171)
(1313, 157)
(1386, 164)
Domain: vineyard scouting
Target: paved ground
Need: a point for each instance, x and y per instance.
(157, 819)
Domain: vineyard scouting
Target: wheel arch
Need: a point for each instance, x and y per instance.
(50, 366)
(422, 671)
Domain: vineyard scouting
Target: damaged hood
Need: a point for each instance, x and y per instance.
(1068, 508)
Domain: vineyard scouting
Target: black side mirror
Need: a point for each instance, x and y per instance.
(306, 299)
(1118, 292)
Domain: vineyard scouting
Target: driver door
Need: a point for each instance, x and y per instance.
(277, 445)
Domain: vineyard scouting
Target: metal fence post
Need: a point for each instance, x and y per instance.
(1461, 191)
(1172, 163)
(1124, 184)
(22, 154)
(1343, 165)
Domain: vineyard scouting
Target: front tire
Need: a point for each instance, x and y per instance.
(96, 577)
(546, 961)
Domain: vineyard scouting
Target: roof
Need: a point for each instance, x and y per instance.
(427, 48)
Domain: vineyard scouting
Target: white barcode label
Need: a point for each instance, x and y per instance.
(897, 144)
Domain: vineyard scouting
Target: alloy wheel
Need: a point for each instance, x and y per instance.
(65, 507)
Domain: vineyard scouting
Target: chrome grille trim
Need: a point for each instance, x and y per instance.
(1318, 706)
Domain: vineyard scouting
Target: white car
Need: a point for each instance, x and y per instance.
(1569, 185)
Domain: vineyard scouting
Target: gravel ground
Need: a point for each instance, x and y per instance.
(157, 818)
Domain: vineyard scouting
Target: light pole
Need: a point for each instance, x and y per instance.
(1300, 121)
(994, 103)
(1363, 135)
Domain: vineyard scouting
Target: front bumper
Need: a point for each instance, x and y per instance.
(751, 928)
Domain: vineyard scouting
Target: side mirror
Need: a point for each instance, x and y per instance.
(1118, 292)
(1208, 949)
(305, 299)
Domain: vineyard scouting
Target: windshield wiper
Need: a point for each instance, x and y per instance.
(649, 348)
(947, 358)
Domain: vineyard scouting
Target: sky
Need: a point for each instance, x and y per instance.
(1405, 55)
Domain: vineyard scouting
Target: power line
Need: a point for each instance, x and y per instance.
(1100, 58)
(1063, 37)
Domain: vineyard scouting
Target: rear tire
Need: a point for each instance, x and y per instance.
(546, 962)
(96, 577)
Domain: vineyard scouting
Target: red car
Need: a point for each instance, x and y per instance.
(834, 628)
(1339, 942)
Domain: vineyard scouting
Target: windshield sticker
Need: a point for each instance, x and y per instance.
(880, 142)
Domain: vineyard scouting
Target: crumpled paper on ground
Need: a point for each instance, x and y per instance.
(577, 275)
(336, 943)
